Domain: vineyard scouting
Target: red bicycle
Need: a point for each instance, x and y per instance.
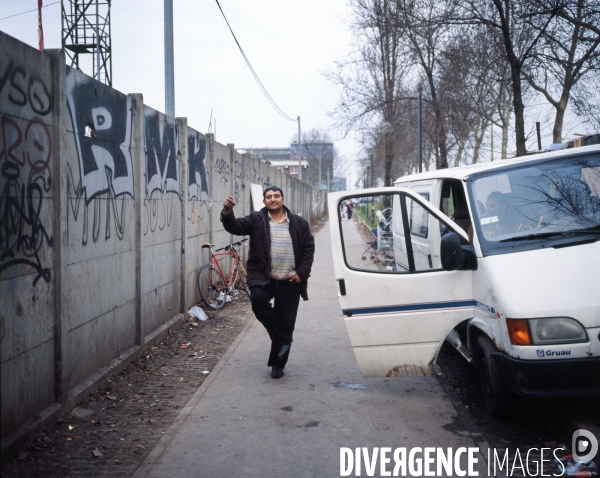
(215, 287)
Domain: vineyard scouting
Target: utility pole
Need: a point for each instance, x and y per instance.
(169, 61)
(320, 154)
(539, 136)
(371, 170)
(40, 27)
(492, 126)
(97, 42)
(420, 133)
(299, 151)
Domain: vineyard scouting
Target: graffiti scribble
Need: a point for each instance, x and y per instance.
(222, 169)
(158, 213)
(108, 200)
(22, 232)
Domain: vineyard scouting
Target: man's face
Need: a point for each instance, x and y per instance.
(273, 200)
(492, 207)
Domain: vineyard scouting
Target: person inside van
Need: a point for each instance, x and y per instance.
(500, 215)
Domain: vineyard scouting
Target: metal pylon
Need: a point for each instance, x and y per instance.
(86, 31)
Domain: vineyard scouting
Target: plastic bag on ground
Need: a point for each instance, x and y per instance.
(198, 313)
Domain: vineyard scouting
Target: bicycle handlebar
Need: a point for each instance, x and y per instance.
(230, 246)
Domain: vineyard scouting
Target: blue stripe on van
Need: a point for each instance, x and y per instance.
(458, 304)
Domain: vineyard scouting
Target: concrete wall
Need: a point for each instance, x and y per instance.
(104, 206)
(28, 106)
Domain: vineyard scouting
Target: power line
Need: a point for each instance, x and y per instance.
(262, 87)
(28, 11)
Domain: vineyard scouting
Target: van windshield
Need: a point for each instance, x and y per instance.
(537, 202)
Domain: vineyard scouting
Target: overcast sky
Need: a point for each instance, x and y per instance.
(289, 43)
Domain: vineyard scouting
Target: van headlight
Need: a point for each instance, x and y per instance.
(556, 330)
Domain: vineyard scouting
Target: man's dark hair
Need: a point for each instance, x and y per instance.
(498, 196)
(272, 188)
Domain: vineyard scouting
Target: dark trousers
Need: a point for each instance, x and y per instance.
(349, 213)
(280, 318)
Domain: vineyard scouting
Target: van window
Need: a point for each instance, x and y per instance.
(530, 204)
(453, 203)
(374, 237)
(418, 217)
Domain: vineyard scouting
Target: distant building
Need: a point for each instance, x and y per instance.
(280, 158)
(318, 154)
(314, 154)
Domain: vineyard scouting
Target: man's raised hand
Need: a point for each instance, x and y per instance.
(228, 205)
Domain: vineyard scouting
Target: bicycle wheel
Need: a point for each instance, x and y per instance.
(212, 287)
(242, 280)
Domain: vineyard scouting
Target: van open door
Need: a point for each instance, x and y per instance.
(399, 304)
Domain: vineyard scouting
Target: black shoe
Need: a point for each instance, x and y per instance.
(277, 372)
(282, 351)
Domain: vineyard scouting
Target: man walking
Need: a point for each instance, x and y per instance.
(349, 208)
(281, 255)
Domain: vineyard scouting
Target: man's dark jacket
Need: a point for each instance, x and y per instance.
(256, 225)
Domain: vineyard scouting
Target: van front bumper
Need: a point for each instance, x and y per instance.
(570, 378)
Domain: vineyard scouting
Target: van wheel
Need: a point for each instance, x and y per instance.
(498, 397)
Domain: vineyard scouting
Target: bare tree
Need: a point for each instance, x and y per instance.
(504, 109)
(427, 29)
(521, 25)
(481, 95)
(469, 102)
(586, 100)
(569, 50)
(371, 78)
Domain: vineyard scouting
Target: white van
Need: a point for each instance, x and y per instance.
(501, 259)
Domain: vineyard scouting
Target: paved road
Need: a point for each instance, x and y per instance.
(241, 422)
(354, 246)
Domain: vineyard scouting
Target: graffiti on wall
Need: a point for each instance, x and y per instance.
(101, 121)
(238, 177)
(25, 92)
(250, 173)
(25, 153)
(158, 213)
(198, 193)
(162, 167)
(197, 170)
(162, 170)
(105, 208)
(222, 170)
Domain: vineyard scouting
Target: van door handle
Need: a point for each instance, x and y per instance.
(342, 285)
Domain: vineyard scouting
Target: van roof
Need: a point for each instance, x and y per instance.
(463, 172)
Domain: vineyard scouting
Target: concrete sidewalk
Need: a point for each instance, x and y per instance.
(242, 422)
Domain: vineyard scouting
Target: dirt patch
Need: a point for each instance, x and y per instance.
(111, 432)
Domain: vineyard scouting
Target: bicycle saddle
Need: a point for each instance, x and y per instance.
(206, 244)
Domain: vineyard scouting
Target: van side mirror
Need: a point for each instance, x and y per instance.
(455, 255)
